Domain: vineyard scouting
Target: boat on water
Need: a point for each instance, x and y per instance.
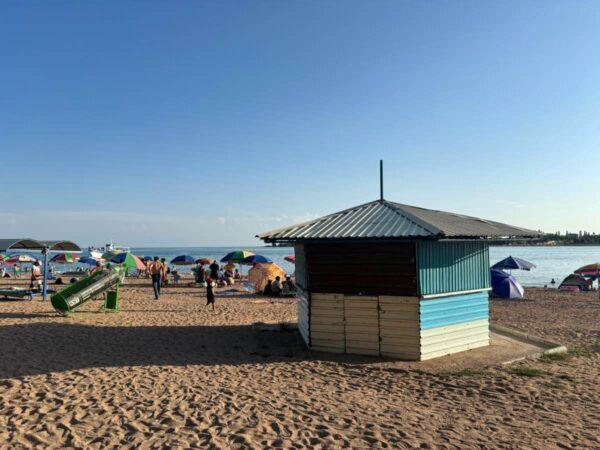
(97, 252)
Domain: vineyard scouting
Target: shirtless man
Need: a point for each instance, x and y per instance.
(157, 270)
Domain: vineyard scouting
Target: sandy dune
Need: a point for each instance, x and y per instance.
(171, 373)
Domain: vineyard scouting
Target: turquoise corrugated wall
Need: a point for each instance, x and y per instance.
(446, 267)
(443, 311)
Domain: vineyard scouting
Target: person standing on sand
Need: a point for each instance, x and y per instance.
(210, 293)
(166, 272)
(36, 273)
(214, 270)
(156, 272)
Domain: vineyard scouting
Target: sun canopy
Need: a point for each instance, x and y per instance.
(32, 244)
(513, 262)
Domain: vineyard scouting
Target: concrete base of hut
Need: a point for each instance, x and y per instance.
(407, 328)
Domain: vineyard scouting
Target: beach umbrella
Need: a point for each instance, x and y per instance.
(89, 260)
(146, 258)
(21, 259)
(64, 258)
(291, 258)
(591, 270)
(505, 285)
(255, 259)
(111, 254)
(236, 256)
(204, 261)
(128, 261)
(183, 260)
(513, 262)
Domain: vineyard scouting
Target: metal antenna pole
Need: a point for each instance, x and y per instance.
(381, 179)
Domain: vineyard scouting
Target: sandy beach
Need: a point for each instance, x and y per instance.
(171, 373)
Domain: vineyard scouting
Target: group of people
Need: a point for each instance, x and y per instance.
(278, 288)
(222, 276)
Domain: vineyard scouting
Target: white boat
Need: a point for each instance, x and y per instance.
(97, 252)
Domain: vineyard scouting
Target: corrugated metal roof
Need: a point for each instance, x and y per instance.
(384, 219)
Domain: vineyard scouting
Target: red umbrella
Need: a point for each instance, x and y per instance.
(291, 259)
(591, 270)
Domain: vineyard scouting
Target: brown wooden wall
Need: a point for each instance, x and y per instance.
(301, 273)
(359, 268)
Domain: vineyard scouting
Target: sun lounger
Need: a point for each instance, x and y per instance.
(16, 294)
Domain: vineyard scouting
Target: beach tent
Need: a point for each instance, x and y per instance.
(505, 285)
(513, 262)
(575, 282)
(261, 273)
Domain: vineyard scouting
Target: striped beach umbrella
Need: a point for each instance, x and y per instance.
(64, 258)
(236, 256)
(21, 259)
(128, 261)
(590, 271)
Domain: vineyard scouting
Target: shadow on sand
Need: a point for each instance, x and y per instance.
(41, 348)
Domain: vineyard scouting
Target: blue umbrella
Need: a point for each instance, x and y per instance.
(513, 263)
(147, 258)
(505, 285)
(183, 260)
(88, 260)
(253, 259)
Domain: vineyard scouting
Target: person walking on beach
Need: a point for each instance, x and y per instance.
(165, 273)
(210, 293)
(156, 272)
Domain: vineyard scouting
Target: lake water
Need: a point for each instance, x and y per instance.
(551, 262)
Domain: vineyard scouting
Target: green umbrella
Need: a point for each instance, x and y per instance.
(236, 256)
(128, 261)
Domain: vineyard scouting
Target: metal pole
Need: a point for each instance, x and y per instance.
(381, 179)
(45, 284)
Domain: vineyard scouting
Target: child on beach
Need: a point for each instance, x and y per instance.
(210, 294)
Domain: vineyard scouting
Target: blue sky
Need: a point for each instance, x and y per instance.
(203, 123)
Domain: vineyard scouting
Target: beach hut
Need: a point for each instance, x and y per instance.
(395, 280)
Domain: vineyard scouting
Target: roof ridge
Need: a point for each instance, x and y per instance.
(416, 220)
